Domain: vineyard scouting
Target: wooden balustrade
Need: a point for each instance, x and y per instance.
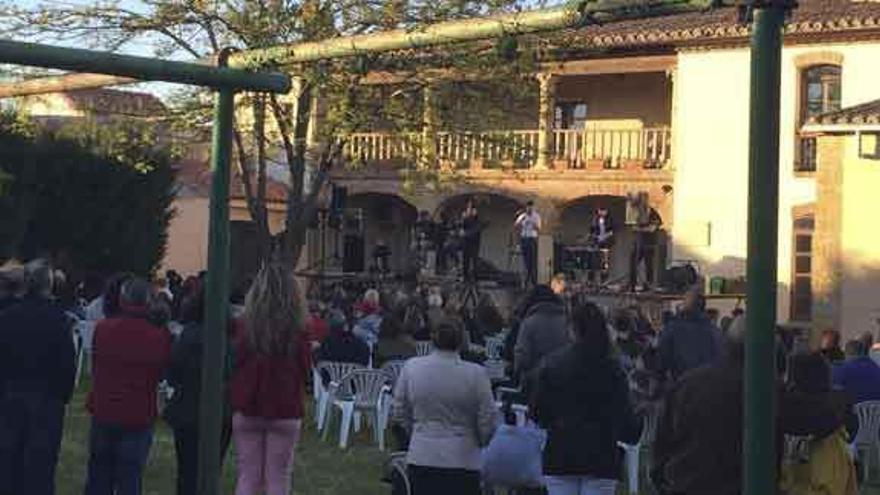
(648, 147)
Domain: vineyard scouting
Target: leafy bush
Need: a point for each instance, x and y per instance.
(95, 196)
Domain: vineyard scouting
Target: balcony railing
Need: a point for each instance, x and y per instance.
(648, 148)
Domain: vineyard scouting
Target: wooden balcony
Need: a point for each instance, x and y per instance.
(591, 149)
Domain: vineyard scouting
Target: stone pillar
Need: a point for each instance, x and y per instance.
(428, 152)
(546, 116)
(827, 267)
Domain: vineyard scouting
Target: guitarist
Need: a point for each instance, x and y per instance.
(602, 235)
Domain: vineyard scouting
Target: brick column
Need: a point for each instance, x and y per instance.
(546, 116)
(827, 268)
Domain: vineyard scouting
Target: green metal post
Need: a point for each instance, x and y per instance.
(759, 458)
(216, 298)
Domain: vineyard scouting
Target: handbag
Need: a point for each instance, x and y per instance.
(513, 458)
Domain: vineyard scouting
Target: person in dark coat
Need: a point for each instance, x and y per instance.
(543, 331)
(689, 340)
(581, 398)
(131, 355)
(37, 369)
(698, 448)
(185, 378)
(342, 346)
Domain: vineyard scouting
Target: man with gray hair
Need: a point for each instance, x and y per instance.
(36, 382)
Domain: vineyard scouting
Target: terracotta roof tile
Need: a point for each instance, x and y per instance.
(111, 101)
(866, 113)
(811, 16)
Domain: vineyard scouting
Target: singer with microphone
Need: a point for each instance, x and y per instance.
(528, 223)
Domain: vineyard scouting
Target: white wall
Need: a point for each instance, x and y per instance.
(711, 117)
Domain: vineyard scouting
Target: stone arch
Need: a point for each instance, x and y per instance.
(498, 211)
(386, 217)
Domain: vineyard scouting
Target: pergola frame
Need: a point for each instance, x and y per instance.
(102, 69)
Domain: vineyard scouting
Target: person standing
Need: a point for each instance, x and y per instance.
(36, 382)
(602, 234)
(446, 406)
(543, 330)
(268, 385)
(130, 355)
(582, 399)
(528, 223)
(859, 375)
(471, 231)
(690, 339)
(185, 378)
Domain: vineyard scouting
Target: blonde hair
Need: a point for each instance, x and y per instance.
(273, 312)
(372, 296)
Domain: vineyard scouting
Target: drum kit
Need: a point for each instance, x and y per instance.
(588, 260)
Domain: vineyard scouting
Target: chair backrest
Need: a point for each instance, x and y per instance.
(364, 385)
(869, 422)
(424, 347)
(392, 371)
(494, 348)
(336, 371)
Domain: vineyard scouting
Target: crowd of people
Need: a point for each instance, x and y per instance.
(590, 377)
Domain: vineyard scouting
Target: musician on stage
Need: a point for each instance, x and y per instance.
(645, 246)
(528, 223)
(470, 237)
(602, 237)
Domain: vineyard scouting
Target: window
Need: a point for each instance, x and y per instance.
(570, 115)
(820, 93)
(869, 145)
(802, 268)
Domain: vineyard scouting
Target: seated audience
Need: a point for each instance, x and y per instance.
(859, 375)
(815, 459)
(341, 346)
(369, 317)
(394, 343)
(582, 399)
(830, 346)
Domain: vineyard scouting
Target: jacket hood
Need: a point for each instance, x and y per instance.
(547, 308)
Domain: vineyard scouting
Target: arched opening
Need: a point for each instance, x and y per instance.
(385, 218)
(575, 220)
(497, 213)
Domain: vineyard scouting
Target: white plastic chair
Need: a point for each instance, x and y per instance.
(336, 372)
(318, 391)
(359, 392)
(494, 348)
(392, 370)
(867, 441)
(633, 452)
(424, 347)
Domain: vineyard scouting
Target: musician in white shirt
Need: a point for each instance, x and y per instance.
(528, 223)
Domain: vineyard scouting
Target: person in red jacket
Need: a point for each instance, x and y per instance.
(130, 355)
(268, 384)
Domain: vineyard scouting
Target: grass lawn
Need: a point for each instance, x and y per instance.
(320, 467)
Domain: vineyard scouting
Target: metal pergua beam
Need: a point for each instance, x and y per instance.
(141, 68)
(573, 14)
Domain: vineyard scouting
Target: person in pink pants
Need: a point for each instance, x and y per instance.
(267, 387)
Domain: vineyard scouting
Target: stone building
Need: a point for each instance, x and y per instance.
(655, 105)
